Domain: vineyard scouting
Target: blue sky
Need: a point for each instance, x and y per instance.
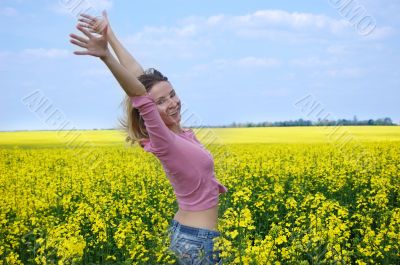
(230, 61)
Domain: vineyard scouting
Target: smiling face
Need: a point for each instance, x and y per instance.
(168, 104)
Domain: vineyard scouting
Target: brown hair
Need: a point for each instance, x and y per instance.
(132, 123)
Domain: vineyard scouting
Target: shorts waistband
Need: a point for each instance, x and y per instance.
(195, 231)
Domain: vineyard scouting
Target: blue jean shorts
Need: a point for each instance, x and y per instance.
(193, 245)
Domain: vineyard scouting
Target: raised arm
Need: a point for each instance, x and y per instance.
(97, 46)
(160, 135)
(96, 24)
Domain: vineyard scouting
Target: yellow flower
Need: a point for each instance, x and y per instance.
(233, 234)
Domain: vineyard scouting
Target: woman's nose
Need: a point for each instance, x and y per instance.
(173, 103)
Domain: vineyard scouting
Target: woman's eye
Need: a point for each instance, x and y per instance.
(163, 100)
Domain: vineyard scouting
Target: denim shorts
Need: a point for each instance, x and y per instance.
(193, 245)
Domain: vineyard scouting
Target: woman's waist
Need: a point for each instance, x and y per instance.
(201, 219)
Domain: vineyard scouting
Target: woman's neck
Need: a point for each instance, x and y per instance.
(176, 128)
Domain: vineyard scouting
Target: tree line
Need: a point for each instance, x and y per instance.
(301, 122)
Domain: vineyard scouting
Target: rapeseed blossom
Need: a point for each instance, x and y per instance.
(287, 204)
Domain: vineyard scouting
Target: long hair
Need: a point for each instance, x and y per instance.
(132, 123)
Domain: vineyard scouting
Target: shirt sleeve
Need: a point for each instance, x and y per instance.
(161, 137)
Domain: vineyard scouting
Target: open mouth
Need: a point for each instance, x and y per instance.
(174, 113)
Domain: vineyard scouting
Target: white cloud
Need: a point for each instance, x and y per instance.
(198, 37)
(172, 42)
(263, 20)
(184, 31)
(339, 49)
(293, 20)
(312, 62)
(42, 53)
(195, 36)
(295, 25)
(74, 8)
(188, 30)
(33, 54)
(380, 33)
(384, 11)
(4, 57)
(101, 4)
(238, 63)
(4, 54)
(96, 72)
(351, 72)
(214, 20)
(8, 11)
(275, 92)
(257, 62)
(245, 62)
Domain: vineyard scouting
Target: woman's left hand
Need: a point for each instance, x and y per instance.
(95, 46)
(94, 24)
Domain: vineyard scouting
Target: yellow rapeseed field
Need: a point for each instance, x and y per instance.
(316, 195)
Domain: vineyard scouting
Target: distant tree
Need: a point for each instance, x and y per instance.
(387, 121)
(325, 122)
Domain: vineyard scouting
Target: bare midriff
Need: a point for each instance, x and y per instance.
(207, 219)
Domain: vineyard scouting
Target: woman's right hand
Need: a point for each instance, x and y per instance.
(95, 46)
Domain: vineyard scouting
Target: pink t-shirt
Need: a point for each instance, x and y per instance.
(187, 164)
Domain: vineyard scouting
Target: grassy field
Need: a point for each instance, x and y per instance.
(298, 195)
(221, 135)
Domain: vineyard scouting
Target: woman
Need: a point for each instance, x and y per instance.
(153, 119)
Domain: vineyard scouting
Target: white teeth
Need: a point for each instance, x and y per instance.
(173, 113)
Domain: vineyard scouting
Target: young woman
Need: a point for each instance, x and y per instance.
(153, 119)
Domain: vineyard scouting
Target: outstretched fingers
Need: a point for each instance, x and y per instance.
(84, 31)
(88, 16)
(83, 53)
(79, 38)
(80, 44)
(87, 21)
(92, 44)
(90, 28)
(79, 41)
(104, 33)
(93, 28)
